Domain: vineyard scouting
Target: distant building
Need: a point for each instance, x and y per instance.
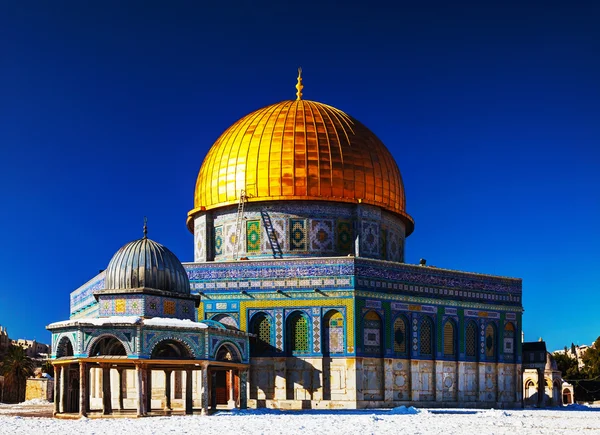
(575, 352)
(33, 349)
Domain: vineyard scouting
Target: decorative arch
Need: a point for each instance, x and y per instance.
(171, 348)
(106, 345)
(298, 333)
(227, 351)
(261, 324)
(450, 339)
(372, 334)
(490, 342)
(471, 340)
(64, 347)
(426, 337)
(225, 319)
(400, 335)
(333, 333)
(567, 397)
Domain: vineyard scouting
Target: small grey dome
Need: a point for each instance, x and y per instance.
(550, 362)
(144, 263)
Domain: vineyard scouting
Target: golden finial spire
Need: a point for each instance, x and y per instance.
(145, 227)
(299, 86)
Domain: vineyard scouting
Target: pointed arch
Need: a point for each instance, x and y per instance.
(172, 349)
(372, 334)
(107, 345)
(64, 347)
(225, 319)
(261, 324)
(449, 338)
(400, 335)
(490, 342)
(333, 333)
(298, 334)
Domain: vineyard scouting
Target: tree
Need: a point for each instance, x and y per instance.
(567, 365)
(591, 359)
(16, 367)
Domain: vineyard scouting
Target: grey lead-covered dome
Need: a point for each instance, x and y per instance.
(146, 264)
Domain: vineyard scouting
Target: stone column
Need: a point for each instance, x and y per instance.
(213, 393)
(189, 397)
(168, 406)
(148, 389)
(140, 391)
(83, 392)
(120, 392)
(231, 401)
(63, 389)
(243, 389)
(205, 388)
(106, 397)
(57, 388)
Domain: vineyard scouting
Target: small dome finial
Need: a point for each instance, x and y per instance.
(299, 86)
(145, 227)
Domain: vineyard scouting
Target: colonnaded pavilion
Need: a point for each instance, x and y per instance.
(299, 280)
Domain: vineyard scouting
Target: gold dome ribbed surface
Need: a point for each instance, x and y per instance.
(300, 150)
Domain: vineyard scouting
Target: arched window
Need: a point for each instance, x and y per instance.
(449, 339)
(108, 345)
(426, 337)
(298, 336)
(372, 334)
(333, 333)
(400, 335)
(490, 341)
(471, 340)
(261, 327)
(64, 348)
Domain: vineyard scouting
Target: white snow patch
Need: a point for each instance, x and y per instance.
(130, 320)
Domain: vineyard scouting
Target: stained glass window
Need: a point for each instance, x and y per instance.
(400, 335)
(471, 339)
(449, 348)
(425, 347)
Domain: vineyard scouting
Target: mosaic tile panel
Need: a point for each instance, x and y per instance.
(393, 246)
(280, 228)
(252, 236)
(229, 238)
(383, 240)
(219, 240)
(321, 235)
(298, 239)
(316, 326)
(344, 236)
(200, 239)
(369, 238)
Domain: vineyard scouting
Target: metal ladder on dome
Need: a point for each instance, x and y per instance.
(271, 234)
(238, 224)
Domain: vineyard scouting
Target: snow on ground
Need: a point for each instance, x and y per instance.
(577, 420)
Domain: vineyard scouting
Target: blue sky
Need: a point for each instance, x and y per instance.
(491, 110)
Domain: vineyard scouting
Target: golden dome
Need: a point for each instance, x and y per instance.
(300, 150)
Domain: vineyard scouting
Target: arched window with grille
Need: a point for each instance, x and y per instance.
(298, 336)
(490, 341)
(449, 339)
(471, 340)
(400, 335)
(426, 337)
(333, 333)
(372, 336)
(261, 326)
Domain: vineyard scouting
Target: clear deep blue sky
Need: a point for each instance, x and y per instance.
(491, 110)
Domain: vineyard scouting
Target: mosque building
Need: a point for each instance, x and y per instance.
(302, 294)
